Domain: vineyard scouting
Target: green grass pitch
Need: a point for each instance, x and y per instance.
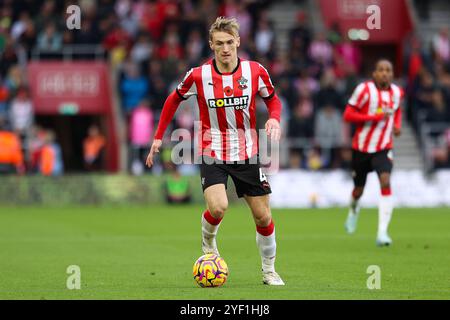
(148, 253)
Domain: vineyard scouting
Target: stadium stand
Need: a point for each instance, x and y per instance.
(149, 45)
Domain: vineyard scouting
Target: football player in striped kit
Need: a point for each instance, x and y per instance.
(375, 109)
(226, 88)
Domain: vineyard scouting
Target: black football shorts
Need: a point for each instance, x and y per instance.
(363, 163)
(247, 176)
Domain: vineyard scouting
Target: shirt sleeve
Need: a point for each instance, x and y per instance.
(273, 105)
(266, 89)
(187, 87)
(359, 96)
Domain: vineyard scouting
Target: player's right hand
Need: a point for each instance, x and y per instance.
(154, 149)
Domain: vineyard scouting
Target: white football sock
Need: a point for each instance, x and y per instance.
(267, 249)
(354, 204)
(385, 209)
(209, 232)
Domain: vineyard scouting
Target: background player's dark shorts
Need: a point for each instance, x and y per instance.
(363, 163)
(246, 176)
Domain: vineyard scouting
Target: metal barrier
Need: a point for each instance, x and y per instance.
(68, 52)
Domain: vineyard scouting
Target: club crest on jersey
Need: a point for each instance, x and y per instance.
(237, 103)
(242, 83)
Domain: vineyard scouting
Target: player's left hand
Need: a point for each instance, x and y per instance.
(273, 129)
(397, 132)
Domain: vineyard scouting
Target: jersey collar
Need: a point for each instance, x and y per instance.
(226, 73)
(387, 89)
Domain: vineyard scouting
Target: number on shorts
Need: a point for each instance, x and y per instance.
(262, 176)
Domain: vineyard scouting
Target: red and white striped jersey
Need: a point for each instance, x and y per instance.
(371, 136)
(227, 107)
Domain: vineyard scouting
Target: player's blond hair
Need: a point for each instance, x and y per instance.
(228, 25)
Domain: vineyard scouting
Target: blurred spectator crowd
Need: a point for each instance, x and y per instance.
(152, 43)
(427, 70)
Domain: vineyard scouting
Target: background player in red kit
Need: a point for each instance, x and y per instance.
(375, 109)
(226, 89)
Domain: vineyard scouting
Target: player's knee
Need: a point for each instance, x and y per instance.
(218, 210)
(263, 220)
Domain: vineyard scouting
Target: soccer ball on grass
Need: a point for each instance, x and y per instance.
(210, 270)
